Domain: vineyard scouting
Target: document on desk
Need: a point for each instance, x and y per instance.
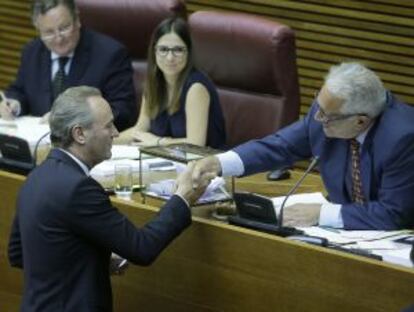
(125, 152)
(303, 198)
(28, 128)
(215, 191)
(344, 237)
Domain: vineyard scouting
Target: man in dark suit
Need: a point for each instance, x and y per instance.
(65, 55)
(65, 227)
(364, 139)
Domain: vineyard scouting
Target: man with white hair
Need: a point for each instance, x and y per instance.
(364, 138)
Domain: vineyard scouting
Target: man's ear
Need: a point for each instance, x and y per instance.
(78, 135)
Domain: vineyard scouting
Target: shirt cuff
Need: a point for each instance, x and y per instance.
(184, 200)
(231, 164)
(18, 110)
(330, 215)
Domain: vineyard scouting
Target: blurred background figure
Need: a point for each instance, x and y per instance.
(66, 54)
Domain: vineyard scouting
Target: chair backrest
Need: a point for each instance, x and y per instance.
(252, 61)
(131, 22)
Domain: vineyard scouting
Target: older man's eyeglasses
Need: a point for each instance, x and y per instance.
(53, 34)
(177, 51)
(322, 117)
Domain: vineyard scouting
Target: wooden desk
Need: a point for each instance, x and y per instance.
(218, 267)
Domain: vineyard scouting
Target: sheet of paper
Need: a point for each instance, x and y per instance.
(399, 256)
(125, 152)
(303, 198)
(378, 245)
(346, 237)
(214, 192)
(28, 128)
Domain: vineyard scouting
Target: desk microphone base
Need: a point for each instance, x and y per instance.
(264, 227)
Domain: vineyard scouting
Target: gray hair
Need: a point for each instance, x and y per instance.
(41, 7)
(359, 87)
(70, 109)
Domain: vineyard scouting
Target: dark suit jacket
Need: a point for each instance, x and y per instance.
(99, 61)
(387, 165)
(64, 231)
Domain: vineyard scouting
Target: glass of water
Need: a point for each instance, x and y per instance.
(123, 181)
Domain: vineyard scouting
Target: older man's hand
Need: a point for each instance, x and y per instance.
(186, 188)
(207, 167)
(301, 215)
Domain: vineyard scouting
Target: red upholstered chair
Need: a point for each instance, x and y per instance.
(130, 22)
(252, 61)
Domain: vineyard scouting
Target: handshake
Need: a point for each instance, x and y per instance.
(192, 182)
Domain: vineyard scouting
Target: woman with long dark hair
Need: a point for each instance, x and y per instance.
(180, 104)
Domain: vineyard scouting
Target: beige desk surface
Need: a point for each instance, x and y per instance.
(217, 267)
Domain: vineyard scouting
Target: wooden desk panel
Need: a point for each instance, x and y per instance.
(218, 267)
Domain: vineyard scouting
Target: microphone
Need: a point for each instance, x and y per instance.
(288, 231)
(37, 146)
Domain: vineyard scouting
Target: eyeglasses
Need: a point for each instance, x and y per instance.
(322, 117)
(177, 51)
(61, 31)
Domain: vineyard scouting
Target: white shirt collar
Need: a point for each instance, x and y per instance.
(361, 137)
(79, 162)
(54, 56)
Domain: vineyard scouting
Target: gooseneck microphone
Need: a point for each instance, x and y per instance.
(288, 231)
(37, 147)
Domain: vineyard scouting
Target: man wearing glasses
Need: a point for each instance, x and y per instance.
(364, 138)
(67, 55)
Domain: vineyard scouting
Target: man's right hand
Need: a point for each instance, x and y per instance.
(8, 107)
(209, 165)
(185, 187)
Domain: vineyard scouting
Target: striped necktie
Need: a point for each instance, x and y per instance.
(59, 81)
(357, 194)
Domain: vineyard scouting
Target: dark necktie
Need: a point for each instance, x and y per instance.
(59, 81)
(357, 194)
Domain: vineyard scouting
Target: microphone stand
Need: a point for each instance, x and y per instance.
(289, 231)
(37, 147)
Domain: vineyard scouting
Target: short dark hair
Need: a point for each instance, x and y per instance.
(155, 90)
(41, 7)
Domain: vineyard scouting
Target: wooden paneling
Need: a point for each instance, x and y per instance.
(15, 30)
(379, 33)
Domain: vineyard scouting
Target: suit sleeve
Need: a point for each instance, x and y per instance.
(15, 251)
(91, 215)
(16, 89)
(394, 207)
(118, 89)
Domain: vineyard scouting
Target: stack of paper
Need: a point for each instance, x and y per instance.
(303, 198)
(214, 192)
(28, 128)
(125, 152)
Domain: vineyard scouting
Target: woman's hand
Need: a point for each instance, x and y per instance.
(145, 138)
